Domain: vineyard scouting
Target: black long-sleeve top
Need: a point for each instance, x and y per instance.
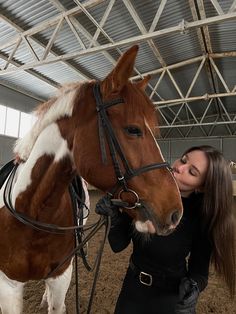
(168, 254)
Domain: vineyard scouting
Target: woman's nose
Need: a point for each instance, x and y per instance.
(181, 168)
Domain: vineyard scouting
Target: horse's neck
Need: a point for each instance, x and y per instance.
(43, 178)
(50, 112)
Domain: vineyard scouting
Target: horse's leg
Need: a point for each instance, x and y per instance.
(55, 293)
(11, 295)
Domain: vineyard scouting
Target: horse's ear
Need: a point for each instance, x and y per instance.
(119, 76)
(143, 83)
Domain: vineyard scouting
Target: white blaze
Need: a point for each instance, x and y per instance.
(147, 226)
(158, 147)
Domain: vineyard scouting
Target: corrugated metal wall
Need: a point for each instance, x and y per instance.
(174, 148)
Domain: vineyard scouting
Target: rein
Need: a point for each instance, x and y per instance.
(25, 219)
(78, 230)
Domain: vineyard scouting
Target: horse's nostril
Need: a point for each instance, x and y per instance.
(175, 217)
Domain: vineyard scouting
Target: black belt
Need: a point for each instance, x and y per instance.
(158, 280)
(144, 278)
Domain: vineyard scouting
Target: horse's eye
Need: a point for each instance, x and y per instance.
(133, 130)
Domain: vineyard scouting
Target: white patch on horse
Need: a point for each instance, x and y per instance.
(86, 207)
(49, 142)
(11, 295)
(145, 227)
(55, 292)
(63, 106)
(160, 151)
(147, 125)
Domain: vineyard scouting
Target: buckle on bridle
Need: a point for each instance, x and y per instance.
(145, 279)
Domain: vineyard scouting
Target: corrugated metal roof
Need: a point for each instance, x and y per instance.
(179, 52)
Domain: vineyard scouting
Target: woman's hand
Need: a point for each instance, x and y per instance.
(188, 296)
(110, 207)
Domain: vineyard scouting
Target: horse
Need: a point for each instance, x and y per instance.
(105, 132)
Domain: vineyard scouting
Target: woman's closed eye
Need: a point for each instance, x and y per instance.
(193, 172)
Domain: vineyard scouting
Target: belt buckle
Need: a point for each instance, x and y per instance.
(142, 275)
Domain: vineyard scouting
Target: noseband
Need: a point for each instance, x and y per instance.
(105, 126)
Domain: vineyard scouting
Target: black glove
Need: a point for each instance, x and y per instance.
(188, 296)
(110, 207)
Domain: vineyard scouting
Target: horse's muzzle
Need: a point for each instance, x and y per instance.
(146, 222)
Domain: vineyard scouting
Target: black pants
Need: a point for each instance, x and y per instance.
(136, 298)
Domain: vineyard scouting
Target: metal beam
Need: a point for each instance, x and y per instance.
(23, 36)
(196, 125)
(132, 40)
(177, 101)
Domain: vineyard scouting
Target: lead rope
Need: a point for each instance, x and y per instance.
(98, 261)
(74, 208)
(78, 238)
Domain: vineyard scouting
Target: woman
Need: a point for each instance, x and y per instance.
(166, 274)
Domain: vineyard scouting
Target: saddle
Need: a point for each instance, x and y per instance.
(5, 171)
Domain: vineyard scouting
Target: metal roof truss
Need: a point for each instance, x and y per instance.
(27, 51)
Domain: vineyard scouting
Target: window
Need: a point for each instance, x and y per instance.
(14, 122)
(2, 118)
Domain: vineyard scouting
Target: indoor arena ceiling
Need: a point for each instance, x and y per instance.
(188, 46)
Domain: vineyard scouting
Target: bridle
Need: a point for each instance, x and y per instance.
(105, 126)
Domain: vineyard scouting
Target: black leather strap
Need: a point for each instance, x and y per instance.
(162, 279)
(5, 171)
(106, 132)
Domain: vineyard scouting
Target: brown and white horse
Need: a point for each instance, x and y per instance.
(65, 141)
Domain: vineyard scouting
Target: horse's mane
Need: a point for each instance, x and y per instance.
(47, 113)
(44, 107)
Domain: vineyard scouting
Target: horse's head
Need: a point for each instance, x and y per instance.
(115, 142)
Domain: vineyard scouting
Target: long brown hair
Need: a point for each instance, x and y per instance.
(218, 214)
